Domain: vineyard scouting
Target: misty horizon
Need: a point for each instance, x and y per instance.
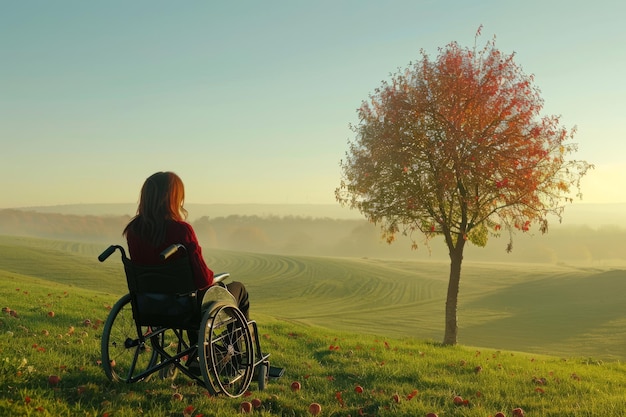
(311, 231)
(578, 213)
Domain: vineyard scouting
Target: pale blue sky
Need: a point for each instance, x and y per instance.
(250, 101)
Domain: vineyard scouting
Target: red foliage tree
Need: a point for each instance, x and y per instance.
(457, 148)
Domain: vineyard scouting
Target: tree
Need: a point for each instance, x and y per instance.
(456, 147)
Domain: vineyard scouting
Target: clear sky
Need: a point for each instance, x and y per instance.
(251, 101)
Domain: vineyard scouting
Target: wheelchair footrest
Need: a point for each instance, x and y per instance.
(275, 372)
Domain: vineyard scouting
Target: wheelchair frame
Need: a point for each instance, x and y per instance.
(145, 330)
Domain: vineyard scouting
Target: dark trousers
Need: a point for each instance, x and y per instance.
(240, 293)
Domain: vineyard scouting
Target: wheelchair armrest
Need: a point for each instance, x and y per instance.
(220, 277)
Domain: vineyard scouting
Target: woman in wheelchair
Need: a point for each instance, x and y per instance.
(160, 222)
(143, 333)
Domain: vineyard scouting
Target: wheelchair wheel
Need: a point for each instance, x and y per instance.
(225, 350)
(125, 354)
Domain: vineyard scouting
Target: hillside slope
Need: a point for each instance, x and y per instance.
(555, 310)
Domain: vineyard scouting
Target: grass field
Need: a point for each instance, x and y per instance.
(548, 309)
(549, 339)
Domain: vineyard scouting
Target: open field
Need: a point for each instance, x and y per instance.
(399, 376)
(544, 309)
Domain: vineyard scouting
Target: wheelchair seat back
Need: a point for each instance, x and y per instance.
(163, 295)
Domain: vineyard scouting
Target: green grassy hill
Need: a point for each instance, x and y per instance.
(545, 309)
(353, 332)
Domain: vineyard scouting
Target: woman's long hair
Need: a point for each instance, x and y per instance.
(161, 201)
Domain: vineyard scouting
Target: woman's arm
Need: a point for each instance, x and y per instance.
(202, 273)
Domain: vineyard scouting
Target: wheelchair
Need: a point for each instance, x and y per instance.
(144, 333)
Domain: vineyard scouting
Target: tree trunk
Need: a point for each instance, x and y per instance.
(451, 329)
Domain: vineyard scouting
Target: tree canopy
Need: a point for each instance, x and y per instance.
(457, 147)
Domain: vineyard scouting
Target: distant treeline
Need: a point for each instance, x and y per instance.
(294, 235)
(62, 226)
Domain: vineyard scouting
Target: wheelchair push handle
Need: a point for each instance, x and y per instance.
(109, 251)
(170, 250)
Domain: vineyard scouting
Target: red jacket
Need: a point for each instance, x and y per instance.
(144, 253)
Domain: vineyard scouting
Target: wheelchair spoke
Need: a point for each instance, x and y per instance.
(227, 351)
